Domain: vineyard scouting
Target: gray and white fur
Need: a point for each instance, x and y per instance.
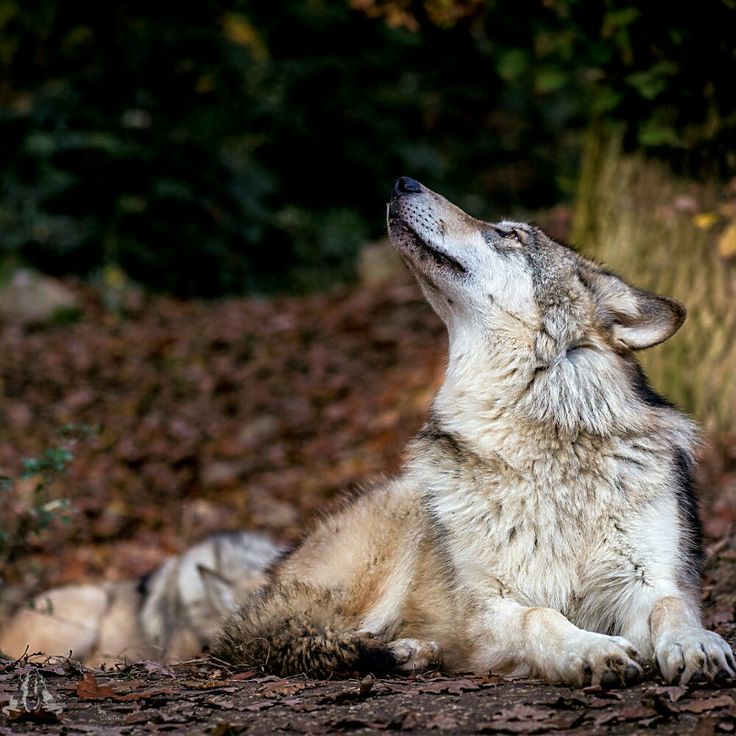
(544, 523)
(168, 615)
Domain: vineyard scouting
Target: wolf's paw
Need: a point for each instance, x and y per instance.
(415, 655)
(596, 659)
(689, 653)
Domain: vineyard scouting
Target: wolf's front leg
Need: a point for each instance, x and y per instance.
(682, 647)
(541, 642)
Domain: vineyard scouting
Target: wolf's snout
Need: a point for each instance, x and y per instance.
(406, 185)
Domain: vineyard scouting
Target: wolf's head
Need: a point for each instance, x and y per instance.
(534, 327)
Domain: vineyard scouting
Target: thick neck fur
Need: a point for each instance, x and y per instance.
(502, 399)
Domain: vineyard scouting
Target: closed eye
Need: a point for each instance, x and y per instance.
(512, 234)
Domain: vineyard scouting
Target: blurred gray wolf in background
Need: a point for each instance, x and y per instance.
(544, 524)
(168, 615)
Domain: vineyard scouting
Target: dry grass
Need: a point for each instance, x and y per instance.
(635, 217)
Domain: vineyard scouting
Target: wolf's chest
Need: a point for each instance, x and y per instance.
(540, 544)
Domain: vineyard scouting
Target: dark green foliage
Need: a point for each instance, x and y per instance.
(664, 70)
(229, 145)
(53, 460)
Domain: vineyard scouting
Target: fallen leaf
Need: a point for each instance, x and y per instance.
(132, 719)
(158, 668)
(633, 713)
(672, 692)
(602, 692)
(300, 705)
(260, 705)
(205, 684)
(701, 706)
(443, 722)
(491, 680)
(146, 694)
(458, 687)
(238, 677)
(520, 711)
(448, 685)
(89, 689)
(282, 688)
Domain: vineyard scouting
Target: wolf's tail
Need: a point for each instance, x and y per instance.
(294, 628)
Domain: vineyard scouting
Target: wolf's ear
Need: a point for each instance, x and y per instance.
(638, 319)
(219, 590)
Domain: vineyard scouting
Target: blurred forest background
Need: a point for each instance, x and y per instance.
(200, 180)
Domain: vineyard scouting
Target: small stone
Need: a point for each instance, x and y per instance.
(32, 298)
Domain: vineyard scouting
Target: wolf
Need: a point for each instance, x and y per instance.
(544, 523)
(168, 615)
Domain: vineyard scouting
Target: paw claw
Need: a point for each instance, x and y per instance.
(632, 674)
(599, 660)
(692, 655)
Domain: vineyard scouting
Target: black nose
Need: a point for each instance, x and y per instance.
(406, 185)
